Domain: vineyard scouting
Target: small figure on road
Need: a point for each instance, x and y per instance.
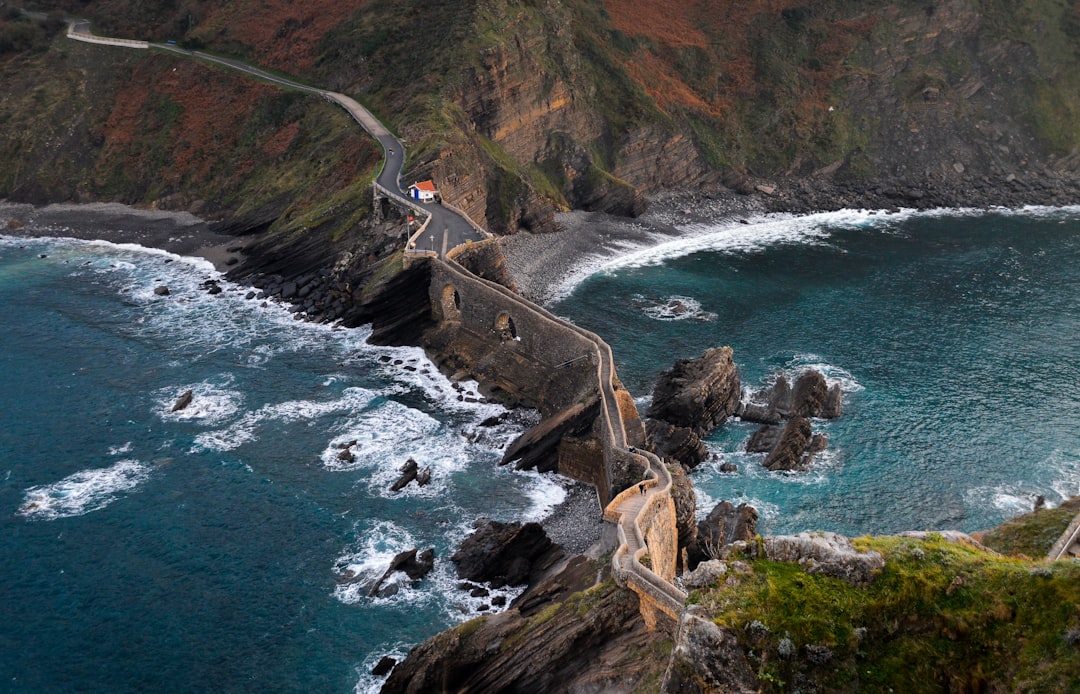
(641, 487)
(391, 151)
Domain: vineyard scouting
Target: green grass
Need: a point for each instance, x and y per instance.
(938, 612)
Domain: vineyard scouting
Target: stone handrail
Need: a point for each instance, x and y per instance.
(1066, 540)
(627, 565)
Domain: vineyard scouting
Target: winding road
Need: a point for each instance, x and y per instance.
(447, 228)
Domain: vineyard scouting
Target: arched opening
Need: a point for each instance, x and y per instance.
(450, 303)
(505, 328)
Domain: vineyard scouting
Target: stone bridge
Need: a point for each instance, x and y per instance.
(546, 362)
(513, 345)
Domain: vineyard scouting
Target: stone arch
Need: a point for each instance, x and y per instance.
(505, 328)
(450, 303)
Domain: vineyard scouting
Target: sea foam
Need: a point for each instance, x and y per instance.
(82, 492)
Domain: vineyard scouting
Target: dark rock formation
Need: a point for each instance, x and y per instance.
(567, 651)
(769, 406)
(725, 524)
(161, 290)
(698, 393)
(764, 439)
(833, 406)
(707, 658)
(808, 394)
(677, 443)
(794, 441)
(409, 472)
(414, 565)
(183, 401)
(505, 553)
(384, 666)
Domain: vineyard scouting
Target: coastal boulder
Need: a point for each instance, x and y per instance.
(409, 471)
(770, 405)
(725, 524)
(505, 553)
(794, 442)
(183, 401)
(677, 443)
(809, 394)
(698, 393)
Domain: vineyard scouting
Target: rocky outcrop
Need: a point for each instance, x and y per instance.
(682, 492)
(794, 448)
(707, 658)
(587, 642)
(676, 443)
(794, 445)
(826, 553)
(698, 393)
(413, 564)
(726, 524)
(183, 401)
(505, 553)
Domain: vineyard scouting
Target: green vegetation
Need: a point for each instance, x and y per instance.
(941, 616)
(1033, 534)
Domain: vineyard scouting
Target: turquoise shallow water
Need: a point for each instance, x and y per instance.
(956, 338)
(145, 550)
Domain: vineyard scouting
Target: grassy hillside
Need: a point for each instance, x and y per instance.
(84, 122)
(940, 617)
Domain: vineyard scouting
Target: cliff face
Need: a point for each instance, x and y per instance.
(521, 109)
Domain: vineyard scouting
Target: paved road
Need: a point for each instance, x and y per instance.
(447, 229)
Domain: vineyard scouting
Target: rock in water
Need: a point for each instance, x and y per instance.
(788, 453)
(809, 394)
(698, 393)
(384, 666)
(833, 407)
(504, 553)
(414, 566)
(677, 443)
(183, 401)
(408, 473)
(725, 524)
(161, 290)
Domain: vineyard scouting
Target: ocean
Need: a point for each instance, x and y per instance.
(954, 335)
(205, 549)
(208, 549)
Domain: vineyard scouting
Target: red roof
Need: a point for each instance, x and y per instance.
(425, 185)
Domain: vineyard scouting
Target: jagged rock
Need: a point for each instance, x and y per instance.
(707, 573)
(409, 472)
(789, 451)
(414, 565)
(769, 406)
(504, 553)
(707, 658)
(384, 666)
(161, 290)
(698, 393)
(826, 553)
(423, 476)
(809, 394)
(183, 401)
(677, 443)
(725, 524)
(833, 406)
(764, 439)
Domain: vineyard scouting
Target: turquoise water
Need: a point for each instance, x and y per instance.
(145, 550)
(955, 337)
